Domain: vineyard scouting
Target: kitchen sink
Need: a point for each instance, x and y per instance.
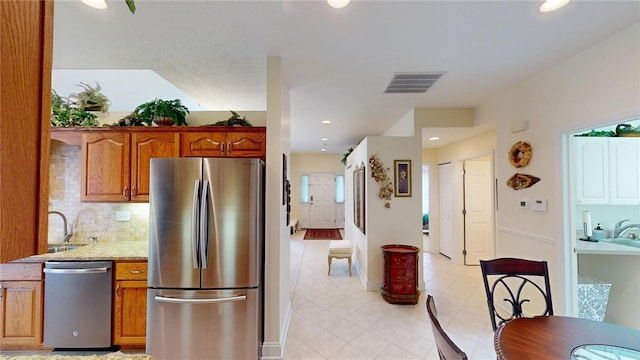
(54, 248)
(624, 241)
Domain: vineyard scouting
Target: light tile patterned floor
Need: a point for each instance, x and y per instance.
(335, 318)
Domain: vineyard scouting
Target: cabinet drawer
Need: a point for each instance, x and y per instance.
(131, 271)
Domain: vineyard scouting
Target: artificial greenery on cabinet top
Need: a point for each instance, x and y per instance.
(152, 111)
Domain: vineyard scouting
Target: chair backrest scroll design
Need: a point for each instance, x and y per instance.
(512, 276)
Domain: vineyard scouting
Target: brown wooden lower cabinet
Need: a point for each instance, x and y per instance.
(21, 304)
(130, 304)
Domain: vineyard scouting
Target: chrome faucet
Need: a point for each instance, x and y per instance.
(619, 230)
(68, 232)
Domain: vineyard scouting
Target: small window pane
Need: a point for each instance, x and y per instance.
(340, 188)
(304, 189)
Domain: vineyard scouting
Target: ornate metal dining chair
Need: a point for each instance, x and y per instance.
(447, 349)
(517, 283)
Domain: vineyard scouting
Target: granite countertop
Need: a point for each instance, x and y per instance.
(605, 248)
(109, 250)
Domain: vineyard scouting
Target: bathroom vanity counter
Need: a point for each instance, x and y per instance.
(606, 248)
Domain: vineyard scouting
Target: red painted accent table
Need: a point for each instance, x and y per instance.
(400, 274)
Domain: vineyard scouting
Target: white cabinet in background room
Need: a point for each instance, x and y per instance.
(624, 164)
(607, 170)
(592, 170)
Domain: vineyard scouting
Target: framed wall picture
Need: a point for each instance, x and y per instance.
(362, 178)
(356, 197)
(402, 178)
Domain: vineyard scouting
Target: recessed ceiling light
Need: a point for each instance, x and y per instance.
(325, 139)
(326, 121)
(552, 5)
(338, 4)
(434, 138)
(96, 4)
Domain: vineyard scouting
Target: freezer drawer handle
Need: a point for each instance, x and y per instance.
(200, 301)
(76, 271)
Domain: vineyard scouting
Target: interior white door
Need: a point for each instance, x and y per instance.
(445, 175)
(322, 201)
(478, 208)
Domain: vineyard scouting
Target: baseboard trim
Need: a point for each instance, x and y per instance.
(275, 350)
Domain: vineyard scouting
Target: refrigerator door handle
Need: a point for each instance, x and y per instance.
(204, 225)
(194, 224)
(199, 301)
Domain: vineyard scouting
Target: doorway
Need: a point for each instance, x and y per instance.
(478, 210)
(445, 187)
(319, 207)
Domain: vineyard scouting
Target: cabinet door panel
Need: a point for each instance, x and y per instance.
(130, 313)
(105, 166)
(624, 162)
(206, 144)
(592, 169)
(21, 313)
(145, 146)
(246, 144)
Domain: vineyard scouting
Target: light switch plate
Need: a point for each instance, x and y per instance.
(123, 216)
(539, 205)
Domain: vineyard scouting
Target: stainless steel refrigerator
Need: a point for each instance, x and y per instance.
(206, 231)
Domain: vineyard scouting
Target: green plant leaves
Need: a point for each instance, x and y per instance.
(131, 5)
(65, 113)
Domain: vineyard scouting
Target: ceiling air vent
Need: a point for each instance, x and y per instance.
(403, 83)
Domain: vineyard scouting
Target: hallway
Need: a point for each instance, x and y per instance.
(334, 318)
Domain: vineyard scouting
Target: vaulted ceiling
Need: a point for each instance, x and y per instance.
(337, 63)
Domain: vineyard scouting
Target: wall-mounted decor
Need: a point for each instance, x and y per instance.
(359, 180)
(402, 178)
(284, 179)
(356, 187)
(521, 181)
(520, 154)
(379, 174)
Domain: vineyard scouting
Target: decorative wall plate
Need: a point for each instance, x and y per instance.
(521, 181)
(520, 154)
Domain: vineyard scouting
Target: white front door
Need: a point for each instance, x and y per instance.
(445, 175)
(478, 219)
(321, 201)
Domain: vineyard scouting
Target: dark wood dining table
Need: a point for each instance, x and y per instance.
(555, 337)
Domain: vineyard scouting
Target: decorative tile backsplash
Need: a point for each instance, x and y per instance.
(88, 219)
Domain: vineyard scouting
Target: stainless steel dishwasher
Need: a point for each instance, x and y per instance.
(77, 304)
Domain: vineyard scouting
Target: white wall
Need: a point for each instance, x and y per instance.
(599, 85)
(401, 223)
(142, 85)
(277, 252)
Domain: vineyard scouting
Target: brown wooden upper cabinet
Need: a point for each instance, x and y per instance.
(223, 142)
(115, 165)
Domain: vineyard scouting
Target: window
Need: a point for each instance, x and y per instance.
(339, 189)
(304, 189)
